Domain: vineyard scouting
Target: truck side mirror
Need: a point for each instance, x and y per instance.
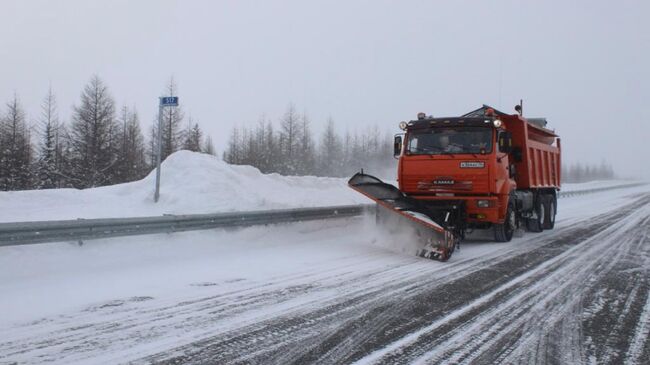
(397, 146)
(505, 142)
(517, 154)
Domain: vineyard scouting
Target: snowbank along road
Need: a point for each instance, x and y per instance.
(338, 292)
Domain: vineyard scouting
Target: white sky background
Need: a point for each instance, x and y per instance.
(584, 65)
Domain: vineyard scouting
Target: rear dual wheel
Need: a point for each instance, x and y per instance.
(546, 209)
(550, 205)
(536, 224)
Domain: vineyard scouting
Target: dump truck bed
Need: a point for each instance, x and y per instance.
(540, 154)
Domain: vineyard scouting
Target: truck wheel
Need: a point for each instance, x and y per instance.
(551, 210)
(537, 224)
(503, 232)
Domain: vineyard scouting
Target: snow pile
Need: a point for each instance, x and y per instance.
(191, 183)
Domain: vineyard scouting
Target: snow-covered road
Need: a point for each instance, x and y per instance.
(338, 292)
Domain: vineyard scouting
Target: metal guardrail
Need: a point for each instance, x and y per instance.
(21, 233)
(566, 194)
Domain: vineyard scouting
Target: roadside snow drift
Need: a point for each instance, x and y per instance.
(191, 183)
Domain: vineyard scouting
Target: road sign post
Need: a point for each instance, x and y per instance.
(165, 101)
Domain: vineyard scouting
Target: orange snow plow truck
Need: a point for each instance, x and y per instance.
(483, 170)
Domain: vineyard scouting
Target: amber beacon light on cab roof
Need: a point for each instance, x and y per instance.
(483, 170)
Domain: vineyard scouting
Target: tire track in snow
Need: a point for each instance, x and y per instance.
(331, 313)
(386, 292)
(349, 335)
(501, 273)
(622, 307)
(639, 351)
(555, 301)
(116, 326)
(505, 328)
(123, 324)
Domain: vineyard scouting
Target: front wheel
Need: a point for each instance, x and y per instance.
(503, 232)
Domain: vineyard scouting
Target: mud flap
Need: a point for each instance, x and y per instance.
(398, 210)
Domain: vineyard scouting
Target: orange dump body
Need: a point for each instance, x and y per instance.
(540, 147)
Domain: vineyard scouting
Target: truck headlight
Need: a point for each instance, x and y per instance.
(483, 203)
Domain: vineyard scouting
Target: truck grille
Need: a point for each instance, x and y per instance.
(457, 183)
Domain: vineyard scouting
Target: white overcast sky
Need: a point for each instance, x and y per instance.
(585, 65)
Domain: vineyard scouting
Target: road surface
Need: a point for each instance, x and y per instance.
(339, 292)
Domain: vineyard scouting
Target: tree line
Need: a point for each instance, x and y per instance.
(290, 148)
(100, 145)
(578, 172)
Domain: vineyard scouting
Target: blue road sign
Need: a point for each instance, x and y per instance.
(169, 101)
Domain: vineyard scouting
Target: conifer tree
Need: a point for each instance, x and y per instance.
(93, 136)
(15, 148)
(50, 158)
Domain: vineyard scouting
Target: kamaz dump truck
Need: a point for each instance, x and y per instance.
(483, 170)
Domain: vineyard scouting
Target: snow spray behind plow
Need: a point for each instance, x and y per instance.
(396, 211)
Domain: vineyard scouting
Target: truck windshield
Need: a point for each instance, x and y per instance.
(440, 141)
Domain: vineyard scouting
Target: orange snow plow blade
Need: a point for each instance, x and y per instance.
(397, 209)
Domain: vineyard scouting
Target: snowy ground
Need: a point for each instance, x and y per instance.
(191, 183)
(338, 292)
